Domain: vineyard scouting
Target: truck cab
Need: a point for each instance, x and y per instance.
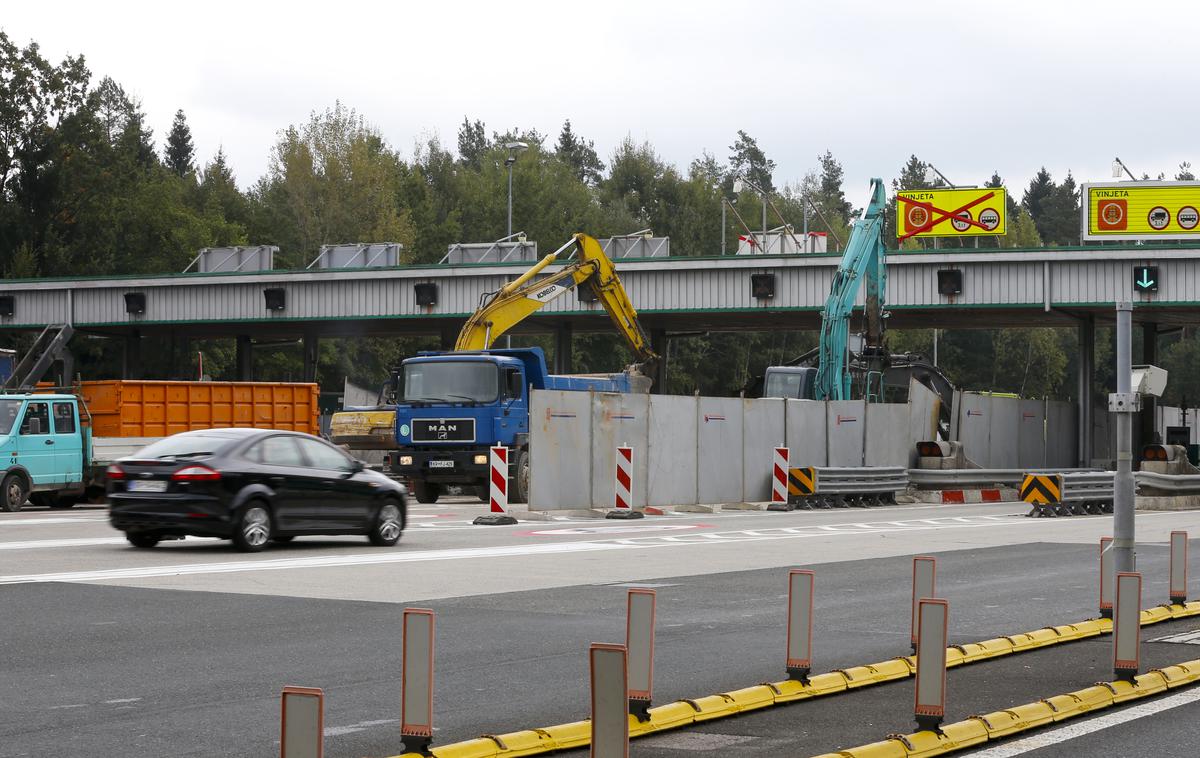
(795, 382)
(44, 449)
(452, 407)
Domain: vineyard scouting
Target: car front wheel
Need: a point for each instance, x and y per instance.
(253, 528)
(387, 527)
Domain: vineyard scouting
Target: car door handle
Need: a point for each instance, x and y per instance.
(49, 442)
(276, 480)
(327, 484)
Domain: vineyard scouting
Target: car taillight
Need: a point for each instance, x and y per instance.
(115, 472)
(196, 474)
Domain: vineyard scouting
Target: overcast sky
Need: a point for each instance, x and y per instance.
(970, 87)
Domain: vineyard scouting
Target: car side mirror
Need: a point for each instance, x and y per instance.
(356, 466)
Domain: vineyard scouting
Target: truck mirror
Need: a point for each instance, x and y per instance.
(514, 383)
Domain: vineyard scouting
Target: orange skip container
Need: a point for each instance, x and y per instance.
(127, 408)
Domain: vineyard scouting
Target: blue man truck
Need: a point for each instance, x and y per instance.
(447, 408)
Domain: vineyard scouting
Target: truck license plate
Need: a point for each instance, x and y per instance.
(147, 486)
(441, 464)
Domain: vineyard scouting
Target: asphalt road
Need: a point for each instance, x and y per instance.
(182, 650)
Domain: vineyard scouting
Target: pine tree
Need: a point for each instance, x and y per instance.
(180, 154)
(1037, 197)
(832, 195)
(579, 155)
(749, 161)
(472, 142)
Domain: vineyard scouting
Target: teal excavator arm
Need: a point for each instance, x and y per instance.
(864, 264)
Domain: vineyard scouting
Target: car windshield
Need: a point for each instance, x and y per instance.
(451, 382)
(9, 409)
(187, 445)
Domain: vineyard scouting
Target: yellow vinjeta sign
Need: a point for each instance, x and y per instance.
(1141, 210)
(951, 212)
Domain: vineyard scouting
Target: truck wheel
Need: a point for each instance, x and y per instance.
(426, 492)
(16, 492)
(519, 484)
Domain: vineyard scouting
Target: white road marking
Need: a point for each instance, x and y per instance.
(123, 700)
(54, 520)
(81, 542)
(501, 551)
(1082, 728)
(64, 707)
(338, 731)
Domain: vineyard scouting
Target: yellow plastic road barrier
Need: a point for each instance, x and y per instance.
(722, 705)
(998, 725)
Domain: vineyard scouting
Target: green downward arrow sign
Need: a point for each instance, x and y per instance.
(1144, 280)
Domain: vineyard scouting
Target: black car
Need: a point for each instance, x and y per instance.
(251, 486)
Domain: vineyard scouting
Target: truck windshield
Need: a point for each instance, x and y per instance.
(8, 414)
(451, 382)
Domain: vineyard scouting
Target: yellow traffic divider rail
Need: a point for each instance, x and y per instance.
(977, 730)
(683, 713)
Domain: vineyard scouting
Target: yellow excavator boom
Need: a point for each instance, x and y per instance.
(523, 296)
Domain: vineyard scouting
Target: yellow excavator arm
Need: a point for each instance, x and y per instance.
(523, 296)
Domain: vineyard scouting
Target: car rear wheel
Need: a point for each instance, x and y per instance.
(253, 529)
(426, 492)
(142, 539)
(388, 525)
(16, 492)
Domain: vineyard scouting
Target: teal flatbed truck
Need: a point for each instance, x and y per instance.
(48, 453)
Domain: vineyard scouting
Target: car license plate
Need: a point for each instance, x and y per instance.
(441, 464)
(146, 486)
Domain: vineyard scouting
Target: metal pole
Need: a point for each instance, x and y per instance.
(807, 248)
(935, 336)
(510, 165)
(765, 222)
(1125, 405)
(722, 225)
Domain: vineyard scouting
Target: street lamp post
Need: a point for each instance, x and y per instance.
(513, 149)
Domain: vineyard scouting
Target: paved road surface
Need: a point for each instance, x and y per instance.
(182, 650)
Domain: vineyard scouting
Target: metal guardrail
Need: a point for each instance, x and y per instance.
(858, 487)
(1176, 484)
(1092, 492)
(1087, 486)
(939, 479)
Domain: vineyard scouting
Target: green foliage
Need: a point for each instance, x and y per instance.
(180, 153)
(747, 160)
(579, 155)
(332, 180)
